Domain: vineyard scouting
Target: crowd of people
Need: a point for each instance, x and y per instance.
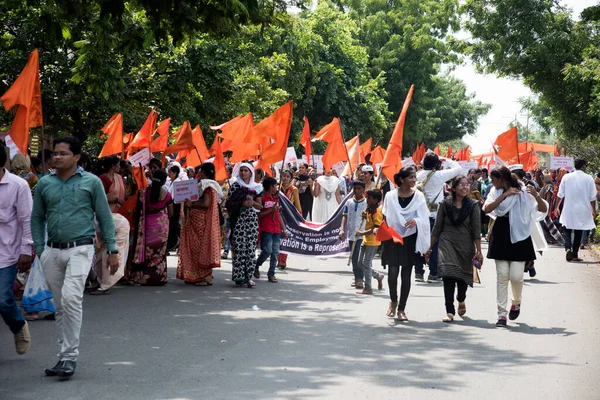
(92, 225)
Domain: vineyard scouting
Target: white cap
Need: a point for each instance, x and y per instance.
(367, 168)
(515, 167)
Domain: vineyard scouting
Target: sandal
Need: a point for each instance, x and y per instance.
(257, 274)
(402, 316)
(448, 318)
(462, 308)
(31, 317)
(251, 284)
(272, 279)
(203, 283)
(380, 281)
(100, 292)
(391, 311)
(365, 291)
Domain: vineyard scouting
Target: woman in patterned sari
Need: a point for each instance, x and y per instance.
(149, 266)
(243, 203)
(200, 241)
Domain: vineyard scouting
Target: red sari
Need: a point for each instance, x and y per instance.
(200, 244)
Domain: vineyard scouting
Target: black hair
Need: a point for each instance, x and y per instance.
(455, 183)
(3, 156)
(431, 161)
(259, 171)
(36, 162)
(159, 178)
(375, 194)
(403, 174)
(72, 141)
(505, 175)
(580, 163)
(85, 162)
(477, 171)
(359, 183)
(108, 163)
(209, 170)
(484, 171)
(268, 182)
(156, 161)
(287, 171)
(124, 164)
(519, 173)
(47, 154)
(175, 169)
(305, 165)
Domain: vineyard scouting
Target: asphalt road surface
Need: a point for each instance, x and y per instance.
(311, 337)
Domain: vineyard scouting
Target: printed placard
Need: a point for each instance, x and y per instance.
(12, 146)
(562, 162)
(407, 162)
(141, 157)
(468, 165)
(185, 190)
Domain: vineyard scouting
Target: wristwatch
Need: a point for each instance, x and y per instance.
(113, 252)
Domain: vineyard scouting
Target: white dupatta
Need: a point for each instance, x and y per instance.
(209, 183)
(397, 217)
(522, 210)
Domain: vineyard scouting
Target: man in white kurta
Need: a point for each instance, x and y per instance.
(577, 192)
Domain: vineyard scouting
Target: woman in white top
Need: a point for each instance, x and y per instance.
(326, 191)
(404, 209)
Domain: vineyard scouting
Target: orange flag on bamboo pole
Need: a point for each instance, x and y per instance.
(200, 154)
(508, 143)
(336, 150)
(114, 129)
(365, 148)
(458, 156)
(305, 140)
(354, 155)
(467, 153)
(392, 162)
(377, 155)
(385, 232)
(276, 127)
(127, 138)
(144, 136)
(185, 141)
(437, 150)
(219, 161)
(449, 153)
(26, 93)
(162, 141)
(234, 134)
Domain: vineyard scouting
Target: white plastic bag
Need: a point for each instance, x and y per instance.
(37, 296)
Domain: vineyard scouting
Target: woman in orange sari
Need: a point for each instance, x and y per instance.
(200, 244)
(291, 192)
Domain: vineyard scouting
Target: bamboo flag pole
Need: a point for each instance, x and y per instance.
(346, 148)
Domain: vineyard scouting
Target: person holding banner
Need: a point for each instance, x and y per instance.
(405, 209)
(149, 265)
(304, 183)
(243, 203)
(291, 192)
(200, 239)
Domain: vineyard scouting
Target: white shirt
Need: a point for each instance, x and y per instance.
(578, 190)
(15, 219)
(434, 188)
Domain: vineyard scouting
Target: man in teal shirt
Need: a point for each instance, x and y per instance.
(65, 204)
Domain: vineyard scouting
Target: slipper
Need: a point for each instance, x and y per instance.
(402, 316)
(251, 284)
(577, 259)
(100, 292)
(203, 283)
(272, 279)
(391, 311)
(365, 291)
(448, 318)
(462, 308)
(380, 282)
(31, 317)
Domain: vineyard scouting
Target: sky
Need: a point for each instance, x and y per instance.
(503, 94)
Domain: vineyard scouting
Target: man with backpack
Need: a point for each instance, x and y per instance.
(431, 181)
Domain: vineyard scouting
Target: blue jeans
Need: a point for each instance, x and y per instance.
(269, 246)
(8, 306)
(359, 275)
(433, 258)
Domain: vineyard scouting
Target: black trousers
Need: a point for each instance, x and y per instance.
(405, 273)
(449, 285)
(574, 245)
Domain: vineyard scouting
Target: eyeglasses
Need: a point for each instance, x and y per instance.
(61, 154)
(464, 185)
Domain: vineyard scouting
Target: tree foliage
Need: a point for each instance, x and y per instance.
(209, 61)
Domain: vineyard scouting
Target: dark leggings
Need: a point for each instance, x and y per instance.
(405, 277)
(449, 284)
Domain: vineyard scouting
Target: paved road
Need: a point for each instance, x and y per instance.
(313, 338)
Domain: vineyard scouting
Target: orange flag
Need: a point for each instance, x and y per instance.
(140, 177)
(234, 133)
(26, 93)
(127, 138)
(185, 141)
(276, 127)
(200, 154)
(305, 140)
(386, 232)
(127, 209)
(437, 150)
(449, 153)
(365, 148)
(162, 141)
(467, 153)
(144, 136)
(458, 156)
(336, 150)
(509, 144)
(114, 129)
(377, 155)
(354, 155)
(392, 162)
(219, 161)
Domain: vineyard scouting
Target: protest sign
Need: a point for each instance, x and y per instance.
(561, 162)
(142, 158)
(185, 190)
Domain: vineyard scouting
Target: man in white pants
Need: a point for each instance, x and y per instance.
(65, 204)
(578, 192)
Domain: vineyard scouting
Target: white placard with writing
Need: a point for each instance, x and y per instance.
(561, 162)
(468, 165)
(141, 157)
(339, 167)
(12, 146)
(407, 162)
(290, 155)
(185, 190)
